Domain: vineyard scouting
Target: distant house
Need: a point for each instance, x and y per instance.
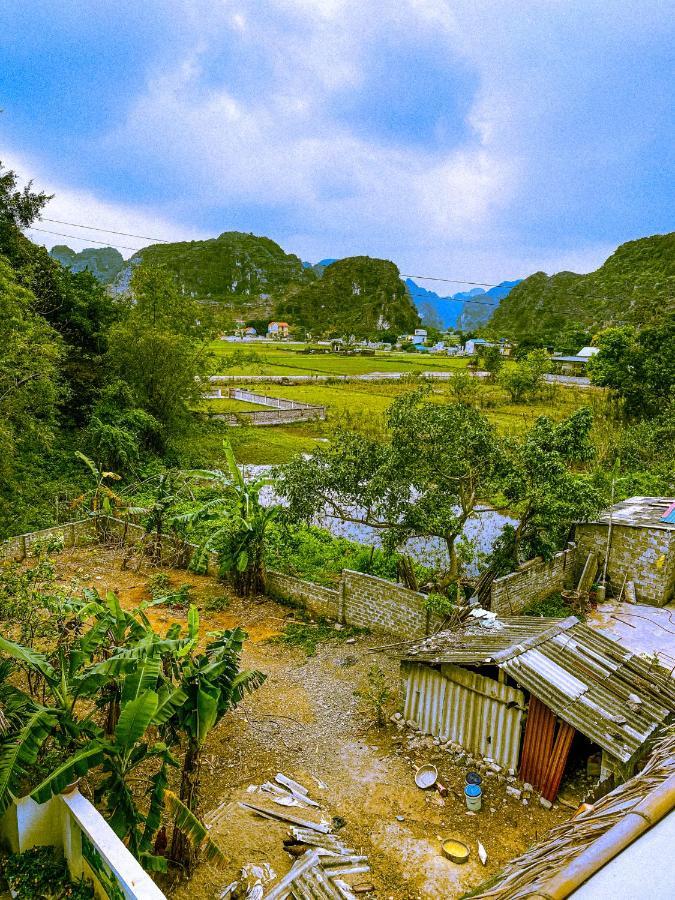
(278, 329)
(420, 336)
(250, 331)
(472, 345)
(574, 365)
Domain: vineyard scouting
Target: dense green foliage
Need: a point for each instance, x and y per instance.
(40, 873)
(638, 366)
(356, 296)
(635, 286)
(244, 273)
(108, 695)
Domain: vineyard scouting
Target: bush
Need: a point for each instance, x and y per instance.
(39, 874)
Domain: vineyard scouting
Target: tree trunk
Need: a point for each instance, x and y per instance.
(182, 852)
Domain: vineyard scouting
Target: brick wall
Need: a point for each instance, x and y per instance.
(317, 599)
(533, 581)
(645, 556)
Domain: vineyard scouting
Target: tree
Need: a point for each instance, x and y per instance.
(490, 360)
(526, 378)
(30, 389)
(637, 367)
(236, 523)
(544, 490)
(425, 481)
(117, 662)
(160, 348)
(213, 684)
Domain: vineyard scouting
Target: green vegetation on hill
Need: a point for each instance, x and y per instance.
(245, 273)
(358, 295)
(635, 286)
(104, 263)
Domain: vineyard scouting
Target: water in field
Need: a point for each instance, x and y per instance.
(482, 530)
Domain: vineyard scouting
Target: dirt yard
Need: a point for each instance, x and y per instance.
(307, 723)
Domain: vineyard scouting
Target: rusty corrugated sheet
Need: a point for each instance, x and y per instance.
(479, 713)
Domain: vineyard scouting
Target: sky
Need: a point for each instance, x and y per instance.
(476, 140)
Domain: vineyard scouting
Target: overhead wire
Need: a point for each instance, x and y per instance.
(271, 263)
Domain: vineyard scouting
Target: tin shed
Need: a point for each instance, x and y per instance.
(475, 685)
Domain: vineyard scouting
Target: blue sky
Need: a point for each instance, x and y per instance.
(472, 139)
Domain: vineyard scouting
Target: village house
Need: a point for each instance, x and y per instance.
(573, 365)
(537, 696)
(419, 336)
(278, 329)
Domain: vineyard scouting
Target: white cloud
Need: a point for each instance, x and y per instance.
(81, 207)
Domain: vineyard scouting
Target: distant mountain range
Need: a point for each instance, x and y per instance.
(466, 310)
(635, 286)
(104, 263)
(255, 279)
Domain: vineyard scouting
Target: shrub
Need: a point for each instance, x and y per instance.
(40, 873)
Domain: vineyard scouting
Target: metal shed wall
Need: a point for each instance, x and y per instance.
(479, 713)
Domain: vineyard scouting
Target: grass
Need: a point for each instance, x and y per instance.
(308, 635)
(285, 359)
(362, 406)
(549, 608)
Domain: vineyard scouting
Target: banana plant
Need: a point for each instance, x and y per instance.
(213, 684)
(237, 524)
(147, 702)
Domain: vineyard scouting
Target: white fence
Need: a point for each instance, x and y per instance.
(69, 823)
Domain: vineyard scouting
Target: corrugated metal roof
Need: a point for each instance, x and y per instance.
(640, 512)
(611, 695)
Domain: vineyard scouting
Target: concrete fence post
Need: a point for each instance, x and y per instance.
(342, 600)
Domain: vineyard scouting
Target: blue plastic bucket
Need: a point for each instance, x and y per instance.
(473, 794)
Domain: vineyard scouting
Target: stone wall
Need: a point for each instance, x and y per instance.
(534, 580)
(643, 555)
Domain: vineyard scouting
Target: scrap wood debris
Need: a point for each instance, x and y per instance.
(323, 860)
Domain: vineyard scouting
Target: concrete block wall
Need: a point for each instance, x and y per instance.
(643, 555)
(273, 416)
(362, 600)
(534, 580)
(71, 534)
(317, 599)
(372, 602)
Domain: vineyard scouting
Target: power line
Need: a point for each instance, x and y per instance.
(76, 237)
(449, 280)
(272, 263)
(143, 237)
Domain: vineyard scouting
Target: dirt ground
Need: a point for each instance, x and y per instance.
(307, 723)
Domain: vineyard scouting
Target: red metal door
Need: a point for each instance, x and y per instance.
(545, 749)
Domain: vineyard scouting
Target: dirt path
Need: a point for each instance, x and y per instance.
(307, 723)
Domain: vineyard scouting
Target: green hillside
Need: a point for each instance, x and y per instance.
(104, 263)
(357, 295)
(635, 286)
(245, 273)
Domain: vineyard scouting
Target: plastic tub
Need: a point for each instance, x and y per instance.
(473, 778)
(456, 851)
(473, 794)
(426, 776)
